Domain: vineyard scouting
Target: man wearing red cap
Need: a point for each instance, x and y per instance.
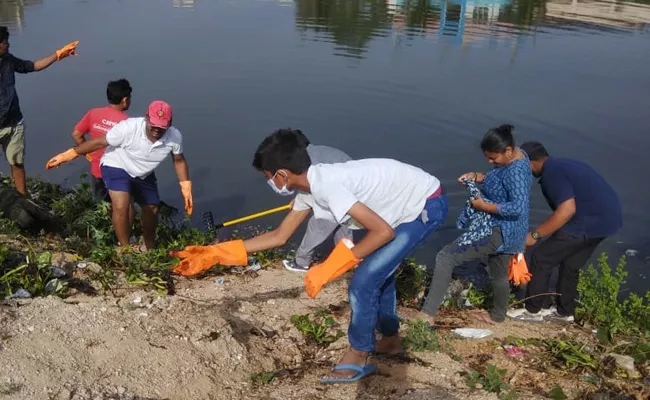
(134, 148)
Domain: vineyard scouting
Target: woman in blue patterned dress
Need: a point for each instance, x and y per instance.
(504, 197)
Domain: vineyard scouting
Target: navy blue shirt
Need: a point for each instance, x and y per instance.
(10, 113)
(598, 209)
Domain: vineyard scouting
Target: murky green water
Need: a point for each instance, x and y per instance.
(419, 81)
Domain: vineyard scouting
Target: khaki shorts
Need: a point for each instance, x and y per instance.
(12, 140)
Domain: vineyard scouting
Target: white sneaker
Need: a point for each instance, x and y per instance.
(529, 317)
(517, 312)
(292, 266)
(562, 319)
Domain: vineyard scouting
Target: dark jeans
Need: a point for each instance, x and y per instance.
(570, 253)
(451, 257)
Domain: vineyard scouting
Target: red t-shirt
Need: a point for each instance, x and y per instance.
(97, 122)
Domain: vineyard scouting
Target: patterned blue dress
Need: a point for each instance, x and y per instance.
(509, 187)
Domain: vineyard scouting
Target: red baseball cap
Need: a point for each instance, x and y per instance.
(160, 114)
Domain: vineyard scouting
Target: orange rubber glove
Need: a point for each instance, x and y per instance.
(186, 189)
(196, 259)
(340, 261)
(518, 271)
(69, 49)
(61, 158)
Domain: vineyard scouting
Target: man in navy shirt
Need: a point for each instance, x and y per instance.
(586, 210)
(12, 135)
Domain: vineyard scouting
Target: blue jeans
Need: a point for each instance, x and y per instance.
(372, 291)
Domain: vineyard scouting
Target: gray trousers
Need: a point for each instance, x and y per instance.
(318, 230)
(451, 257)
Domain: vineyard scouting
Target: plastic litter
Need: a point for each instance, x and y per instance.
(82, 265)
(58, 272)
(631, 252)
(254, 267)
(20, 294)
(53, 286)
(219, 281)
(513, 351)
(472, 333)
(253, 264)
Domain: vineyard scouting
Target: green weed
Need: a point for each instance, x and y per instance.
(29, 271)
(262, 378)
(600, 302)
(557, 393)
(320, 329)
(420, 337)
(411, 281)
(491, 381)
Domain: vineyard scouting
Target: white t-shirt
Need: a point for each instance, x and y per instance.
(131, 150)
(395, 191)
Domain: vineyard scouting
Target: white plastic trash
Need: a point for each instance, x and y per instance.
(472, 333)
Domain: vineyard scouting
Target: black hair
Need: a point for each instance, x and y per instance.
(535, 151)
(303, 139)
(284, 149)
(4, 33)
(498, 139)
(117, 90)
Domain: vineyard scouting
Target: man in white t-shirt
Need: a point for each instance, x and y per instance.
(134, 148)
(397, 204)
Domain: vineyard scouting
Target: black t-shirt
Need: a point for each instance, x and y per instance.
(10, 113)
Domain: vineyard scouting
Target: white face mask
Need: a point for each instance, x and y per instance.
(282, 192)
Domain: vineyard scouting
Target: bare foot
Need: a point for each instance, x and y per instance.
(353, 357)
(389, 345)
(482, 316)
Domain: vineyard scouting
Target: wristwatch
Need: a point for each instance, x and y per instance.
(536, 235)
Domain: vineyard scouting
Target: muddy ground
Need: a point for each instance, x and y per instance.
(208, 341)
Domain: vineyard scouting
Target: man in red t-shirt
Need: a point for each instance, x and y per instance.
(97, 122)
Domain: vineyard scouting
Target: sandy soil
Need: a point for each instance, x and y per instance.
(209, 339)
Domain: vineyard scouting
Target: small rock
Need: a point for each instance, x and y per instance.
(20, 294)
(122, 329)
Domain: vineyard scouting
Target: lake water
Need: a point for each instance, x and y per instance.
(418, 81)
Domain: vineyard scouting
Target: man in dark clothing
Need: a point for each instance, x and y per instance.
(586, 210)
(12, 136)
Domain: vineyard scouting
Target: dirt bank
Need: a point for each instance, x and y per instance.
(210, 341)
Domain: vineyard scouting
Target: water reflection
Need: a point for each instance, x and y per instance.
(352, 24)
(12, 12)
(184, 4)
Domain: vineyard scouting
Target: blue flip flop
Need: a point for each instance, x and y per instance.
(362, 372)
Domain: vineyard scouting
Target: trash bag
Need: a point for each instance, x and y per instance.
(28, 215)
